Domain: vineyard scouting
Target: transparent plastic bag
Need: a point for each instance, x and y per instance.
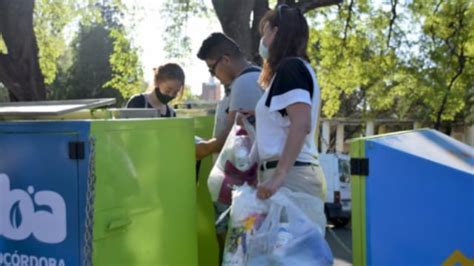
(246, 215)
(287, 236)
(237, 163)
(275, 231)
(312, 207)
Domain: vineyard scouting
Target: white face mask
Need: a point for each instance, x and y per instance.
(263, 50)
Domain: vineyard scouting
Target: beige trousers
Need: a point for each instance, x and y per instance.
(306, 179)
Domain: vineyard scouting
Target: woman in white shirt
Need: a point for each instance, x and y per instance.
(288, 112)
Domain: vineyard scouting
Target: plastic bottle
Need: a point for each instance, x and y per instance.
(241, 155)
(283, 236)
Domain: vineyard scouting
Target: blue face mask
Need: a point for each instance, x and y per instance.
(263, 50)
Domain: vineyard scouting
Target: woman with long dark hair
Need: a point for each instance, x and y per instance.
(287, 114)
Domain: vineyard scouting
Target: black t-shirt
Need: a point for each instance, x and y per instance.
(291, 74)
(139, 101)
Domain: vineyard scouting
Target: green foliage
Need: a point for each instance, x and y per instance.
(447, 72)
(103, 63)
(90, 68)
(177, 13)
(416, 65)
(126, 71)
(50, 20)
(100, 61)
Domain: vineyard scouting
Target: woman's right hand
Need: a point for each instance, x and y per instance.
(267, 188)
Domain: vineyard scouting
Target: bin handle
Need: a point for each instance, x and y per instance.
(119, 223)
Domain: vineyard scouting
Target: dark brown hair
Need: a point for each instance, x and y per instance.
(169, 71)
(217, 45)
(291, 39)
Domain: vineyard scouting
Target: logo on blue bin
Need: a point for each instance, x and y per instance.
(28, 212)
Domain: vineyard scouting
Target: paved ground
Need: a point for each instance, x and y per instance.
(342, 256)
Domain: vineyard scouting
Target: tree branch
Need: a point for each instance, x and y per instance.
(437, 6)
(348, 22)
(392, 21)
(431, 30)
(456, 31)
(462, 61)
(308, 5)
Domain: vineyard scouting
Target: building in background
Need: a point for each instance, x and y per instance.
(211, 90)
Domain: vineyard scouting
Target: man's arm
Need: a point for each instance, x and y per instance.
(214, 145)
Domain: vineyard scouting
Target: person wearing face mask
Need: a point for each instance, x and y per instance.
(168, 84)
(288, 113)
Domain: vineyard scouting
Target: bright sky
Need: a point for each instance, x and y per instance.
(148, 37)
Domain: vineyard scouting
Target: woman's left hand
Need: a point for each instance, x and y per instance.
(266, 189)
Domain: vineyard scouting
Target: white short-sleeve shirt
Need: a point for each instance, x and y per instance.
(293, 82)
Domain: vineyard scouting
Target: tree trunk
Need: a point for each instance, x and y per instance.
(240, 19)
(259, 10)
(234, 16)
(19, 68)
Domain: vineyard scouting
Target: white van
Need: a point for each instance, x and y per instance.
(336, 168)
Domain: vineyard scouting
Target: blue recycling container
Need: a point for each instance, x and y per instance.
(413, 200)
